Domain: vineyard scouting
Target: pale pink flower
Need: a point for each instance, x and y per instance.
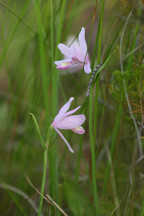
(76, 55)
(65, 120)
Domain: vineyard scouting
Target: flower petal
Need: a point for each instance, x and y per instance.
(72, 111)
(64, 64)
(70, 122)
(82, 41)
(63, 110)
(79, 130)
(78, 53)
(68, 52)
(68, 145)
(87, 68)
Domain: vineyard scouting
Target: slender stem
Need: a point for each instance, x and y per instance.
(92, 143)
(53, 170)
(43, 180)
(44, 169)
(99, 39)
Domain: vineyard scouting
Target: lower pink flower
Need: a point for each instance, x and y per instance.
(65, 120)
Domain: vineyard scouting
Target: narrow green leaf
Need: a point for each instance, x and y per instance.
(38, 130)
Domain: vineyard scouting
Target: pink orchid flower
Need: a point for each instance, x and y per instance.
(76, 55)
(65, 120)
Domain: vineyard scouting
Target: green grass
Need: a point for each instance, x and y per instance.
(105, 174)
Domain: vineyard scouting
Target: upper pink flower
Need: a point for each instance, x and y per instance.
(75, 55)
(65, 120)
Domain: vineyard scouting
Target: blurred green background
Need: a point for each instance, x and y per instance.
(111, 150)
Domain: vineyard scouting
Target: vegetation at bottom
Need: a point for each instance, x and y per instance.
(105, 174)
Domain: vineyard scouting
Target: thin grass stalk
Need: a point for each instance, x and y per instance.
(102, 118)
(45, 159)
(53, 170)
(114, 41)
(98, 61)
(92, 144)
(44, 170)
(95, 47)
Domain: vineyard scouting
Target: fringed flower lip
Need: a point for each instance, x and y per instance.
(76, 55)
(65, 120)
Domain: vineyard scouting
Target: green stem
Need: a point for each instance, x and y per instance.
(53, 168)
(44, 169)
(43, 180)
(92, 143)
(99, 39)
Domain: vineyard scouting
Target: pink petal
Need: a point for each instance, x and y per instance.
(79, 130)
(72, 111)
(63, 110)
(68, 145)
(78, 53)
(87, 68)
(68, 52)
(82, 41)
(70, 122)
(64, 64)
(61, 61)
